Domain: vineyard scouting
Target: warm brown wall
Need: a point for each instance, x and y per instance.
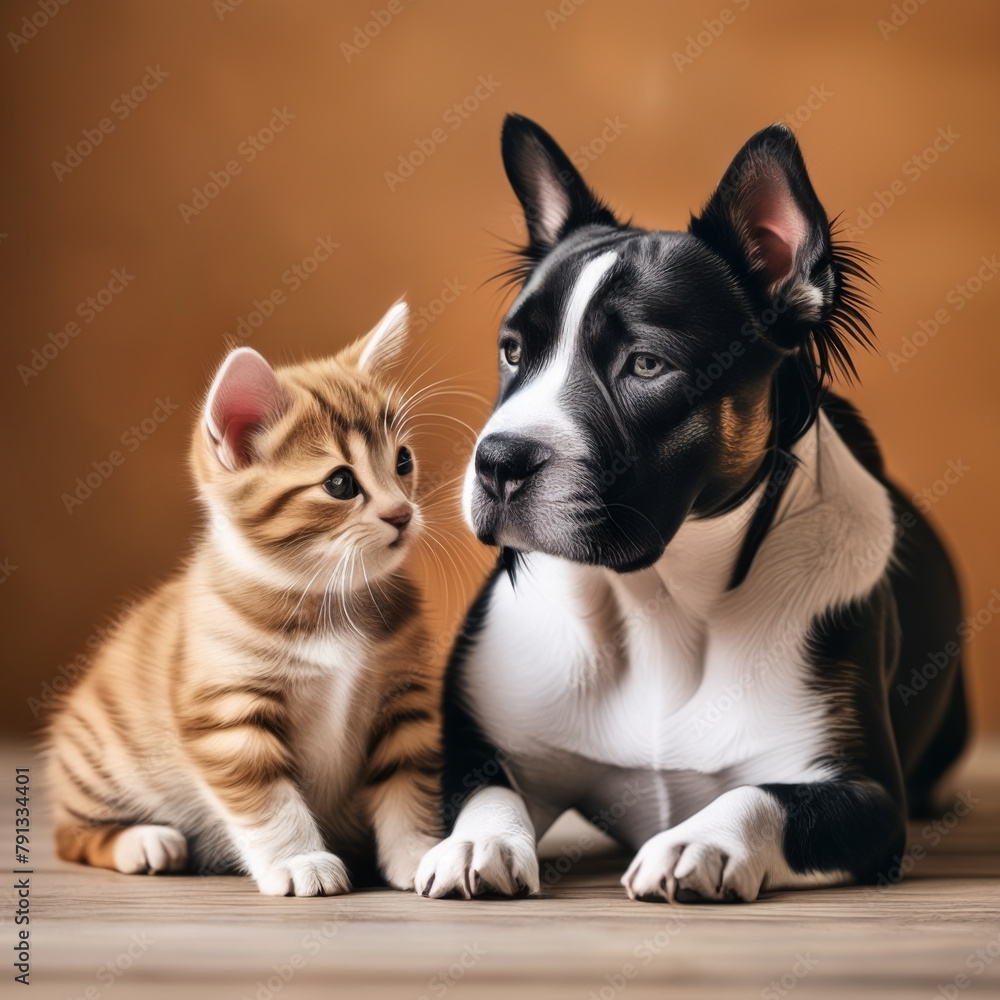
(324, 175)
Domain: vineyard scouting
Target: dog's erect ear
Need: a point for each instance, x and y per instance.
(551, 191)
(765, 220)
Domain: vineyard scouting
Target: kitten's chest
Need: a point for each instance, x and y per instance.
(331, 715)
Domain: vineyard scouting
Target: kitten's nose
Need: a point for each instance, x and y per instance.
(399, 516)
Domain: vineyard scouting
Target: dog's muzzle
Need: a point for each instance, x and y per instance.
(506, 462)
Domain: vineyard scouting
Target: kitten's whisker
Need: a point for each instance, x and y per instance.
(439, 388)
(347, 592)
(370, 594)
(460, 574)
(456, 485)
(292, 617)
(448, 416)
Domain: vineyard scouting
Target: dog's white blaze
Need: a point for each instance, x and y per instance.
(535, 410)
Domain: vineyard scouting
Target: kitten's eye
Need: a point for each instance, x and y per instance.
(511, 352)
(404, 462)
(647, 365)
(342, 485)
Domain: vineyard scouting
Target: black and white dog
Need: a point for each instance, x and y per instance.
(708, 586)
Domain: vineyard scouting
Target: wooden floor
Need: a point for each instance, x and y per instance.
(99, 934)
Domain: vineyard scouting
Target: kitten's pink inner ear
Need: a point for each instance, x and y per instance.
(244, 394)
(778, 229)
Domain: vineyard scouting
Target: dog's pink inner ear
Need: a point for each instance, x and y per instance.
(777, 230)
(243, 396)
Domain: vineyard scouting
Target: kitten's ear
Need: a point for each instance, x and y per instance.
(765, 220)
(381, 347)
(551, 191)
(245, 395)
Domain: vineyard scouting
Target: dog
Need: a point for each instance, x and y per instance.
(709, 593)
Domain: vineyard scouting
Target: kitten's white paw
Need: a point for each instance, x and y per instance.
(675, 868)
(151, 849)
(318, 873)
(504, 864)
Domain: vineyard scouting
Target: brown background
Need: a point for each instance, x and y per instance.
(323, 175)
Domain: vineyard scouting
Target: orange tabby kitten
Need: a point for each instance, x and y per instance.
(274, 704)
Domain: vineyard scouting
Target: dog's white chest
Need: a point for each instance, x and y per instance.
(624, 675)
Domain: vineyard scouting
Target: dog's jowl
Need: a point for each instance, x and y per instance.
(707, 585)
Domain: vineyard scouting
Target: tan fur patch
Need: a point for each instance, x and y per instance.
(745, 431)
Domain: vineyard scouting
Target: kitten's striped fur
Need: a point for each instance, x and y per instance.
(276, 703)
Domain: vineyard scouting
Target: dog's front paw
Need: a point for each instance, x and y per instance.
(318, 873)
(503, 864)
(675, 868)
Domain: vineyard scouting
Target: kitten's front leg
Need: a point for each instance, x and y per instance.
(403, 783)
(402, 811)
(236, 742)
(283, 850)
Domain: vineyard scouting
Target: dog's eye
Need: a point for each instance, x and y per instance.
(342, 485)
(511, 352)
(647, 365)
(404, 462)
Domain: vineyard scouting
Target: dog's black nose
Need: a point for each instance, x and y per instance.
(504, 462)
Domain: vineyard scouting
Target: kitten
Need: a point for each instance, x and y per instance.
(275, 703)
